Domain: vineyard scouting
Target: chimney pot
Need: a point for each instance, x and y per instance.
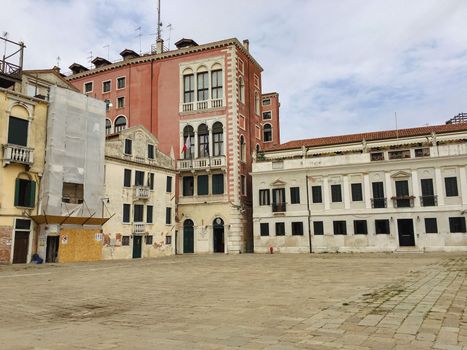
(246, 44)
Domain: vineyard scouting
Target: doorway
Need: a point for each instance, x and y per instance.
(20, 251)
(406, 233)
(218, 235)
(51, 255)
(137, 244)
(188, 237)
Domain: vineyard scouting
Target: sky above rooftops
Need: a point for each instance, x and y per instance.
(339, 66)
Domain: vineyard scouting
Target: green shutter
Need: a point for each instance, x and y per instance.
(17, 186)
(32, 194)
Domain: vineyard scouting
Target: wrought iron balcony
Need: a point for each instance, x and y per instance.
(139, 227)
(403, 201)
(142, 192)
(279, 207)
(429, 201)
(379, 203)
(201, 163)
(17, 154)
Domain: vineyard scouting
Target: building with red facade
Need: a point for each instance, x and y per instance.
(204, 103)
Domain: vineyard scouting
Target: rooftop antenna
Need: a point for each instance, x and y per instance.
(159, 24)
(108, 51)
(139, 35)
(5, 36)
(58, 61)
(169, 27)
(90, 57)
(397, 129)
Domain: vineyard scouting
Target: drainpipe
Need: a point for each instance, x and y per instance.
(309, 213)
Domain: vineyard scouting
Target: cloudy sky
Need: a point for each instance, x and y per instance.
(340, 66)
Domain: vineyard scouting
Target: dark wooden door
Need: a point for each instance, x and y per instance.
(137, 243)
(52, 249)
(20, 252)
(188, 239)
(406, 233)
(218, 236)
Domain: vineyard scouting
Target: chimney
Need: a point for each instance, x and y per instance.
(159, 46)
(246, 44)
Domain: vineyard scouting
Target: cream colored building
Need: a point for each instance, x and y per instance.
(380, 191)
(140, 197)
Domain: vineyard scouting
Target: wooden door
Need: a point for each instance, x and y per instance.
(406, 233)
(20, 252)
(137, 244)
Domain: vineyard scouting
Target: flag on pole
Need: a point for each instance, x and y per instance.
(187, 144)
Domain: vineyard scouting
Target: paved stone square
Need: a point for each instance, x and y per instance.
(327, 301)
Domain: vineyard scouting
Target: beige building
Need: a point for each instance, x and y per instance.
(139, 197)
(379, 191)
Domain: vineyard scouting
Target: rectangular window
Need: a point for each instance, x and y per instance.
(126, 213)
(378, 195)
(121, 82)
(125, 240)
(357, 192)
(399, 154)
(120, 102)
(318, 228)
(316, 194)
(128, 146)
(264, 197)
(168, 185)
(336, 193)
(297, 228)
(216, 80)
(150, 151)
(264, 229)
(266, 101)
(88, 87)
(188, 88)
(267, 115)
(127, 178)
(138, 210)
(340, 227)
(18, 131)
(218, 184)
(139, 178)
(25, 193)
(168, 216)
(148, 240)
(22, 224)
(149, 212)
(218, 142)
(188, 185)
(278, 200)
(107, 105)
(106, 86)
(280, 229)
(382, 227)
(402, 194)
(431, 225)
(428, 194)
(203, 86)
(360, 227)
(376, 156)
(151, 181)
(451, 186)
(168, 240)
(295, 195)
(72, 193)
(457, 224)
(203, 185)
(422, 152)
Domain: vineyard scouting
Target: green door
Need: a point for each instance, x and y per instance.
(188, 237)
(137, 242)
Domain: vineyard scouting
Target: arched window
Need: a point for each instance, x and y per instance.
(242, 149)
(120, 123)
(241, 90)
(218, 139)
(188, 149)
(267, 133)
(203, 141)
(202, 78)
(257, 103)
(108, 126)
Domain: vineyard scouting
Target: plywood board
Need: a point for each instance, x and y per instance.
(79, 244)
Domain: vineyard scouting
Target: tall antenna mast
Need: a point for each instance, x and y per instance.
(159, 24)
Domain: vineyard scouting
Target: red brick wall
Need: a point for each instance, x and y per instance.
(5, 244)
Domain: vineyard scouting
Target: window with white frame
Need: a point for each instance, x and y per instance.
(257, 101)
(88, 87)
(203, 86)
(120, 123)
(106, 85)
(267, 133)
(203, 141)
(121, 83)
(216, 81)
(218, 139)
(188, 88)
(241, 89)
(120, 102)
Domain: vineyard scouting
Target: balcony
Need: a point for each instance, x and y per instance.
(139, 227)
(379, 203)
(142, 192)
(429, 201)
(279, 207)
(202, 105)
(403, 201)
(17, 154)
(201, 163)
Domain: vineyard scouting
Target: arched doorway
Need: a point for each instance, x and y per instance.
(218, 235)
(188, 237)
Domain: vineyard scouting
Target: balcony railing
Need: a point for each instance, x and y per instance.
(142, 192)
(139, 227)
(202, 105)
(278, 207)
(429, 201)
(379, 203)
(403, 201)
(17, 154)
(201, 163)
